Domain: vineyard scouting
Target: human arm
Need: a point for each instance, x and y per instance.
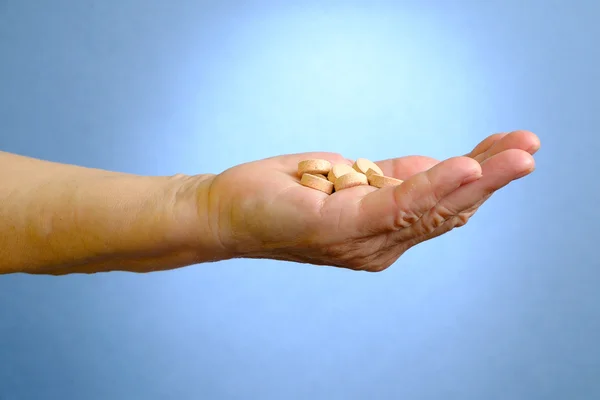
(58, 219)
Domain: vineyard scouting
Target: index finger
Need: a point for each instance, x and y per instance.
(405, 167)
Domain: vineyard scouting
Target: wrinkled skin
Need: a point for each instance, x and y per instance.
(263, 211)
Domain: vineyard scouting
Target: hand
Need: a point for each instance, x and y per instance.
(263, 211)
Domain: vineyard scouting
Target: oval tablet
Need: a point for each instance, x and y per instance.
(338, 170)
(362, 165)
(316, 182)
(380, 181)
(350, 180)
(316, 166)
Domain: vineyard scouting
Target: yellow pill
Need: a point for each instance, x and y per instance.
(338, 170)
(362, 165)
(350, 180)
(380, 181)
(316, 166)
(316, 182)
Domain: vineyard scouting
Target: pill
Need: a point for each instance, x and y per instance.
(362, 165)
(371, 171)
(380, 181)
(315, 182)
(338, 170)
(320, 176)
(316, 166)
(349, 180)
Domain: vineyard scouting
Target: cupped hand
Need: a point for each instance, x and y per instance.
(263, 211)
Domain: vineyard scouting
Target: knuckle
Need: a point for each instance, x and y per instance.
(461, 220)
(443, 211)
(432, 222)
(405, 216)
(404, 219)
(410, 214)
(438, 216)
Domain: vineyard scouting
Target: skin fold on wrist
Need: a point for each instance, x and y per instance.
(196, 218)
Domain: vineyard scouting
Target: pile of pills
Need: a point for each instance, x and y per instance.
(322, 175)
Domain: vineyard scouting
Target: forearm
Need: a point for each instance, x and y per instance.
(57, 219)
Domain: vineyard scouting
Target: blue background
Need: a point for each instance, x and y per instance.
(507, 307)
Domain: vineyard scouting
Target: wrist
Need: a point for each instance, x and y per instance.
(196, 227)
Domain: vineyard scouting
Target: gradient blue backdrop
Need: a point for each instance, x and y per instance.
(506, 308)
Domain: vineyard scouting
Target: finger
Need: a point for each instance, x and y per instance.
(498, 171)
(521, 140)
(484, 145)
(405, 167)
(393, 208)
(461, 218)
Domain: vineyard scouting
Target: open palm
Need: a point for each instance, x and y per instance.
(265, 213)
